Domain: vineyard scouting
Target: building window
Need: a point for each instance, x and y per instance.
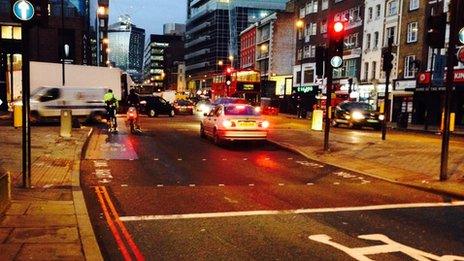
(351, 41)
(409, 71)
(390, 33)
(368, 41)
(377, 11)
(412, 32)
(324, 26)
(370, 13)
(413, 5)
(308, 76)
(366, 71)
(325, 4)
(11, 32)
(376, 40)
(374, 70)
(350, 68)
(392, 8)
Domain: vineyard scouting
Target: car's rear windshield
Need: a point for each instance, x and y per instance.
(359, 106)
(241, 111)
(184, 102)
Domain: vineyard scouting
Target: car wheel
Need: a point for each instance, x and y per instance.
(172, 113)
(152, 113)
(216, 138)
(202, 132)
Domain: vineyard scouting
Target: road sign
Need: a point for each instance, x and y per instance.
(461, 35)
(23, 10)
(1, 102)
(461, 54)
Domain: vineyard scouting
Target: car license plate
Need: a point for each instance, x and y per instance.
(373, 121)
(247, 124)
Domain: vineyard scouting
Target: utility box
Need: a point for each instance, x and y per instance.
(318, 118)
(66, 123)
(17, 116)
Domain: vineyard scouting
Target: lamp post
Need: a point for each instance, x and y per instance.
(66, 54)
(62, 43)
(300, 25)
(101, 11)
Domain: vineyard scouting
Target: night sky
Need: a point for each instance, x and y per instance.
(150, 14)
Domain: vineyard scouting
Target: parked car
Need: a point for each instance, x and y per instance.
(232, 122)
(357, 115)
(183, 107)
(153, 106)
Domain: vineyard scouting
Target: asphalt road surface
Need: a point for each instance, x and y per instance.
(167, 194)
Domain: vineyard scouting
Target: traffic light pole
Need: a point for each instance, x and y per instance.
(454, 5)
(386, 106)
(26, 128)
(328, 107)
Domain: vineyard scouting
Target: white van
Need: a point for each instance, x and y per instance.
(83, 101)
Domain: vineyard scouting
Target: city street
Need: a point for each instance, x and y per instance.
(168, 194)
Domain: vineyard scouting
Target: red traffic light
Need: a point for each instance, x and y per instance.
(338, 27)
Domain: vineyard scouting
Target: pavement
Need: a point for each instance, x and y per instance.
(50, 220)
(407, 158)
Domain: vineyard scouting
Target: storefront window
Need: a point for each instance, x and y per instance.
(17, 33)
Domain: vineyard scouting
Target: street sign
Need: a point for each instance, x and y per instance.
(336, 61)
(461, 54)
(1, 102)
(461, 35)
(438, 74)
(23, 10)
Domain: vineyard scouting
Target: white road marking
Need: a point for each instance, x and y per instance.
(336, 183)
(124, 185)
(267, 159)
(179, 159)
(289, 212)
(290, 158)
(203, 159)
(224, 159)
(251, 185)
(389, 246)
(245, 159)
(222, 185)
(160, 185)
(192, 185)
(281, 184)
(156, 159)
(310, 184)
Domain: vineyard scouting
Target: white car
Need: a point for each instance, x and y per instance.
(234, 122)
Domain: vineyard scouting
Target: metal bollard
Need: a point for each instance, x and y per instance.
(17, 116)
(66, 123)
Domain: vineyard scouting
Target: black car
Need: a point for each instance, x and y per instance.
(155, 105)
(357, 115)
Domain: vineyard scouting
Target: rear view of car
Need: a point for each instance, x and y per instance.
(183, 107)
(235, 122)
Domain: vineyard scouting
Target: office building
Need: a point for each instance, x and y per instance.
(126, 45)
(164, 58)
(213, 30)
(174, 29)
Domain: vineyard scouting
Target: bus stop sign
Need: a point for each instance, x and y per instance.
(23, 10)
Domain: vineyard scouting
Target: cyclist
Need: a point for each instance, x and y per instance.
(111, 108)
(133, 100)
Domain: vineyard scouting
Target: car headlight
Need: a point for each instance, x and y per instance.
(143, 102)
(357, 116)
(381, 117)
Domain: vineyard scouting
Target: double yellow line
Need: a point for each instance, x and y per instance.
(118, 229)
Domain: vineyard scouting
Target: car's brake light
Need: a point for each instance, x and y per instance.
(228, 124)
(265, 124)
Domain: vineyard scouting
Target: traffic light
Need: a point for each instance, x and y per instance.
(336, 44)
(436, 28)
(229, 76)
(387, 56)
(321, 56)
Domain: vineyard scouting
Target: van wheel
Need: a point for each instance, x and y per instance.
(152, 113)
(172, 113)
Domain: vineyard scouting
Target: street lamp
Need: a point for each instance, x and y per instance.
(300, 25)
(231, 59)
(221, 63)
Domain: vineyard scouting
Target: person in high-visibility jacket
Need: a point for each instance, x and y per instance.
(111, 108)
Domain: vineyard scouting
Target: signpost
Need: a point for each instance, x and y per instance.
(461, 35)
(461, 54)
(23, 11)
